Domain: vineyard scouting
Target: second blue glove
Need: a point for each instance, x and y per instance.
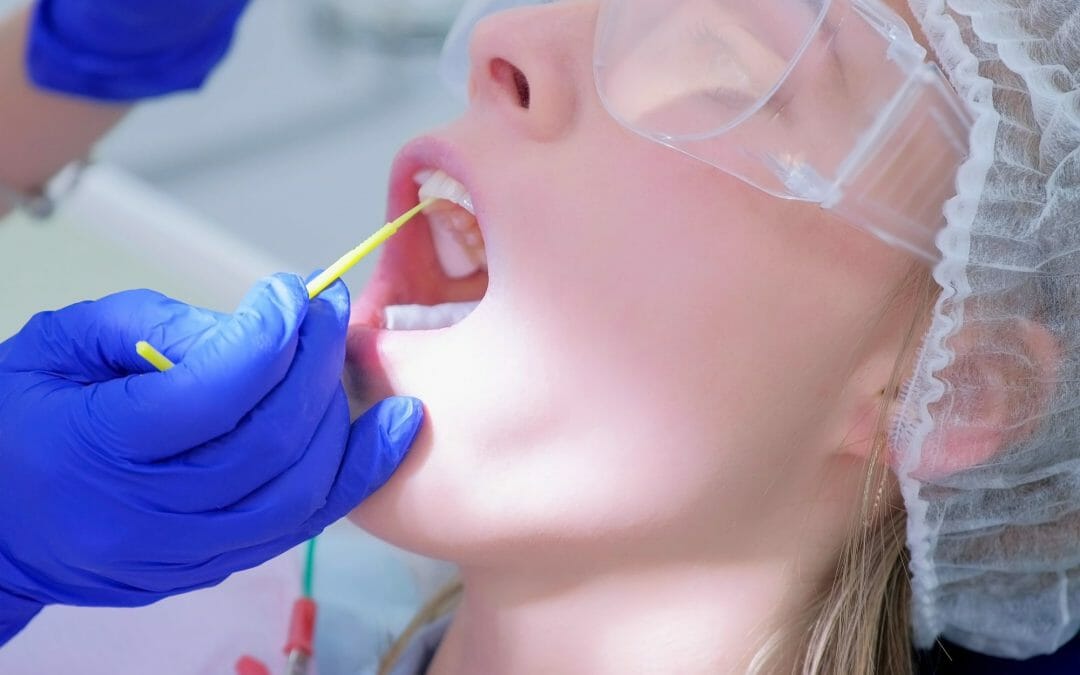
(123, 50)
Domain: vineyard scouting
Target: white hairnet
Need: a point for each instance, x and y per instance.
(988, 439)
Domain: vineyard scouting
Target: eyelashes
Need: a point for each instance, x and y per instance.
(705, 36)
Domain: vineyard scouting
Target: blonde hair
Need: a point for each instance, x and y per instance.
(860, 624)
(440, 605)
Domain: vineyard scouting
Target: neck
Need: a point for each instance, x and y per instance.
(686, 617)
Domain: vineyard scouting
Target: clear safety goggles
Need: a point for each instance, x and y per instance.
(823, 101)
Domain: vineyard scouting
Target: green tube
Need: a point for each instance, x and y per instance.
(309, 568)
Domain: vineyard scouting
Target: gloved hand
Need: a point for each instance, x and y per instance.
(120, 489)
(122, 50)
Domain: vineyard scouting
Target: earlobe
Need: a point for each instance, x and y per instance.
(1000, 380)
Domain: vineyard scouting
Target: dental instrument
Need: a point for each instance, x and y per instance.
(300, 645)
(321, 282)
(350, 259)
(155, 358)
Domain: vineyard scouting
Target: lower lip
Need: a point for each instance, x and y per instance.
(365, 376)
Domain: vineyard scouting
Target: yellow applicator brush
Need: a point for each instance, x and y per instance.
(152, 356)
(349, 260)
(319, 283)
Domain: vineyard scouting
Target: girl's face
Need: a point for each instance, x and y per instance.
(664, 357)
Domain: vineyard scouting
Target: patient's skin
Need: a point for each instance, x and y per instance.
(645, 447)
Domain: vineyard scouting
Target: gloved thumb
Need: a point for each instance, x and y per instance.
(379, 442)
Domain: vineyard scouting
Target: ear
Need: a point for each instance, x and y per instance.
(996, 388)
(860, 415)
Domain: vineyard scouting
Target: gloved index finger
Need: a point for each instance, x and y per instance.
(217, 383)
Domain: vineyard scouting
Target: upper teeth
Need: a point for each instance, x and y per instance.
(455, 233)
(439, 185)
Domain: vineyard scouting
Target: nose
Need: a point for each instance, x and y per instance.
(534, 65)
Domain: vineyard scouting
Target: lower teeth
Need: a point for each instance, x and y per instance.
(424, 317)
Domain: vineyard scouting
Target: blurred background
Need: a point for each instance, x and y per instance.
(288, 149)
(290, 145)
(280, 163)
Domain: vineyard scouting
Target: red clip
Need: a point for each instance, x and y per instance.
(251, 666)
(302, 627)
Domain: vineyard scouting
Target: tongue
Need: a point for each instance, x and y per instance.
(423, 317)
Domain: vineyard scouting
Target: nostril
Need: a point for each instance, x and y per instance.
(513, 79)
(522, 84)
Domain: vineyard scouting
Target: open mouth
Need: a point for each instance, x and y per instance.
(434, 272)
(459, 249)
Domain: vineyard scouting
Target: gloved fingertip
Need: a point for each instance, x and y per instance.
(335, 292)
(330, 310)
(337, 296)
(400, 420)
(277, 304)
(290, 287)
(378, 443)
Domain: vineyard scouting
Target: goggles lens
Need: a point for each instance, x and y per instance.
(687, 68)
(824, 101)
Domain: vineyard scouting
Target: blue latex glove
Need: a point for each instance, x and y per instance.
(120, 489)
(122, 50)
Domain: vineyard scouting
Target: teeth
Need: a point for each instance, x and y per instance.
(458, 261)
(423, 317)
(455, 233)
(440, 185)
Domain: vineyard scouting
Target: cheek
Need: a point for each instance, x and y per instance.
(621, 484)
(604, 406)
(555, 444)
